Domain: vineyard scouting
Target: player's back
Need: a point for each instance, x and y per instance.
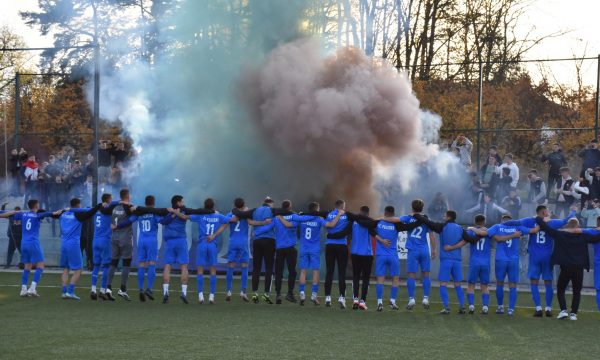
(148, 226)
(481, 251)
(341, 225)
(310, 235)
(596, 246)
(124, 234)
(175, 228)
(361, 241)
(387, 231)
(263, 231)
(450, 235)
(70, 228)
(30, 226)
(507, 250)
(102, 228)
(208, 224)
(238, 232)
(284, 236)
(417, 238)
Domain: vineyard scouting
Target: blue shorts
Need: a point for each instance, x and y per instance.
(206, 254)
(479, 272)
(597, 275)
(418, 258)
(310, 260)
(238, 254)
(102, 251)
(450, 269)
(147, 250)
(176, 251)
(540, 267)
(70, 257)
(386, 264)
(510, 268)
(31, 253)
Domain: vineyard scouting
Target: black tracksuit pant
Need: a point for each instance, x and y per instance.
(361, 270)
(262, 249)
(574, 274)
(285, 256)
(336, 253)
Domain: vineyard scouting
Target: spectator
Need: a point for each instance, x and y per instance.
(564, 191)
(14, 233)
(489, 178)
(589, 213)
(53, 170)
(590, 156)
(493, 152)
(120, 153)
(555, 160)
(69, 155)
(536, 193)
(512, 203)
(90, 164)
(464, 146)
(582, 190)
(31, 177)
(512, 166)
(476, 191)
(438, 207)
(492, 212)
(76, 179)
(44, 179)
(104, 161)
(593, 177)
(505, 184)
(58, 190)
(114, 180)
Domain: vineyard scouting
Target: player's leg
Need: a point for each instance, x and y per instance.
(484, 278)
(597, 282)
(141, 277)
(366, 279)
(257, 261)
(201, 263)
(213, 283)
(444, 277)
(269, 261)
(412, 259)
(315, 266)
(457, 277)
(342, 260)
(501, 272)
(394, 269)
(97, 260)
(64, 281)
(244, 259)
(184, 281)
(357, 267)
(561, 287)
(292, 259)
(548, 277)
(74, 279)
(577, 282)
(114, 262)
(513, 279)
(471, 281)
(329, 270)
(535, 271)
(37, 258)
(279, 264)
(25, 276)
(125, 276)
(200, 283)
(302, 281)
(106, 258)
(425, 265)
(75, 264)
(229, 279)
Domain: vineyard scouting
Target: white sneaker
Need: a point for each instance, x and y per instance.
(471, 309)
(201, 298)
(426, 303)
(573, 316)
(32, 293)
(302, 296)
(23, 292)
(485, 310)
(211, 298)
(342, 302)
(327, 301)
(563, 315)
(65, 296)
(411, 304)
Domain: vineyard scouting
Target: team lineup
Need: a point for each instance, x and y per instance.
(274, 237)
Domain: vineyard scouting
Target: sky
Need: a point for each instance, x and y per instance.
(580, 19)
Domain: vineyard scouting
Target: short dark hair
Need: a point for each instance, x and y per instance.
(365, 209)
(32, 203)
(17, 208)
(286, 204)
(150, 200)
(268, 200)
(389, 210)
(506, 216)
(509, 155)
(493, 147)
(75, 202)
(106, 197)
(417, 205)
(239, 203)
(209, 204)
(451, 214)
(540, 208)
(313, 206)
(175, 199)
(339, 202)
(479, 219)
(564, 169)
(123, 194)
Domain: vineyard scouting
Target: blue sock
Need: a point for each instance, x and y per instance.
(460, 295)
(244, 279)
(65, 289)
(71, 289)
(512, 298)
(213, 283)
(229, 278)
(598, 299)
(485, 299)
(426, 286)
(301, 287)
(105, 268)
(315, 289)
(444, 296)
(471, 298)
(200, 282)
(500, 295)
(37, 275)
(151, 274)
(535, 294)
(394, 293)
(549, 295)
(411, 285)
(379, 290)
(25, 277)
(141, 274)
(95, 273)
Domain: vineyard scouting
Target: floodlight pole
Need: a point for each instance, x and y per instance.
(597, 100)
(479, 105)
(95, 120)
(17, 109)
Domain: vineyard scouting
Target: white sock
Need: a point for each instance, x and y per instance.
(379, 301)
(314, 295)
(184, 290)
(93, 288)
(327, 298)
(166, 289)
(538, 308)
(24, 287)
(301, 292)
(33, 285)
(548, 308)
(393, 301)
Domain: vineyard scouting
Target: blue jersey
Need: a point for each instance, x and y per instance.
(102, 222)
(361, 241)
(417, 238)
(481, 251)
(507, 250)
(70, 227)
(310, 235)
(387, 231)
(238, 232)
(341, 225)
(174, 227)
(287, 237)
(30, 222)
(208, 224)
(263, 231)
(540, 244)
(596, 245)
(147, 225)
(450, 235)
